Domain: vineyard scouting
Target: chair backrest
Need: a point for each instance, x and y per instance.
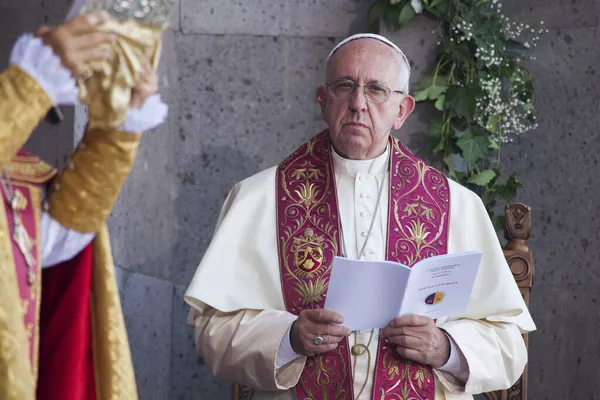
(517, 229)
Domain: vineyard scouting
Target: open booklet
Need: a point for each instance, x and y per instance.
(370, 294)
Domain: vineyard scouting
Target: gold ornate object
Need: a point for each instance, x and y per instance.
(139, 25)
(154, 12)
(20, 235)
(23, 104)
(108, 92)
(83, 195)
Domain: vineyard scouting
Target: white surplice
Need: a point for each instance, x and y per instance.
(241, 326)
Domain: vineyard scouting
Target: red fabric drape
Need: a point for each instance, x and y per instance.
(66, 364)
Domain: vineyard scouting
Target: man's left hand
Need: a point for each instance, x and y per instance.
(419, 339)
(147, 86)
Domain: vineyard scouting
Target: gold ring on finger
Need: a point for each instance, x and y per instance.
(87, 74)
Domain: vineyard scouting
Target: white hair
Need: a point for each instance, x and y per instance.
(404, 64)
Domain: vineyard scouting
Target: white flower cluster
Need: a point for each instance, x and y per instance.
(530, 35)
(506, 104)
(514, 30)
(488, 55)
(463, 31)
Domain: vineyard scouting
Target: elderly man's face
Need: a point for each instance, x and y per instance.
(359, 129)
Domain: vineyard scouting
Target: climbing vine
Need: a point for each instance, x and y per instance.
(478, 83)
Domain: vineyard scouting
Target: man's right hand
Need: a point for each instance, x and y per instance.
(313, 323)
(77, 42)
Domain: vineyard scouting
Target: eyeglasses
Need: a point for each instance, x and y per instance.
(375, 93)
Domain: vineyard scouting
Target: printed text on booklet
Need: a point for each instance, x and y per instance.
(370, 294)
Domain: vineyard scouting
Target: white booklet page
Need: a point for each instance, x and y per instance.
(370, 294)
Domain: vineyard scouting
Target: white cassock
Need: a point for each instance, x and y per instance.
(242, 326)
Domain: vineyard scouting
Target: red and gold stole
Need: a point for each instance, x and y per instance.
(27, 175)
(309, 237)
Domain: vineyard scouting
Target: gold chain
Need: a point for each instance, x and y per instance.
(359, 350)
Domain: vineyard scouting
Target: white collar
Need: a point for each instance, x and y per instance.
(374, 166)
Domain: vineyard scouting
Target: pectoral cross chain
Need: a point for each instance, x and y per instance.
(22, 239)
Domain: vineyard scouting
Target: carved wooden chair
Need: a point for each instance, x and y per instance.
(517, 229)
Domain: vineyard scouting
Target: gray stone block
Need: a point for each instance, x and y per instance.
(121, 276)
(147, 310)
(53, 143)
(322, 18)
(558, 161)
(555, 13)
(190, 377)
(27, 16)
(245, 103)
(564, 362)
(175, 23)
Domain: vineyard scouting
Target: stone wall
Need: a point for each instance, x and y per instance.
(52, 142)
(240, 80)
(558, 163)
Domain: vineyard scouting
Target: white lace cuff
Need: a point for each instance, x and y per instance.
(40, 62)
(152, 113)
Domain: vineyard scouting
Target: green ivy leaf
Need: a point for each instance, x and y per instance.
(473, 148)
(439, 103)
(483, 178)
(459, 125)
(435, 135)
(494, 145)
(430, 93)
(428, 80)
(508, 191)
(512, 48)
(455, 175)
(498, 222)
(459, 99)
(436, 2)
(391, 17)
(430, 88)
(494, 122)
(406, 15)
(376, 12)
(431, 7)
(436, 91)
(421, 95)
(488, 197)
